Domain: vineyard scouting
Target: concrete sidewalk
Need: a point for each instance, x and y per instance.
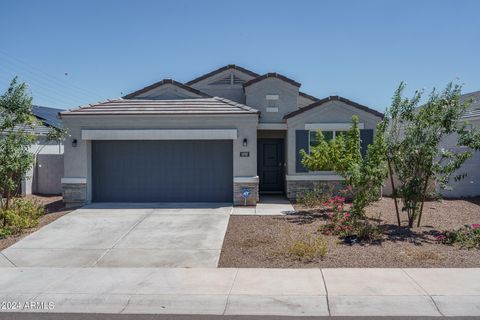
(294, 292)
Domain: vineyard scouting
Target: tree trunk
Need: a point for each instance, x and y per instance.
(423, 201)
(393, 191)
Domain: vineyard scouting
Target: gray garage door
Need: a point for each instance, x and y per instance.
(162, 171)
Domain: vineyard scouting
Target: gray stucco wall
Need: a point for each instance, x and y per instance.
(330, 112)
(232, 92)
(78, 159)
(48, 174)
(287, 102)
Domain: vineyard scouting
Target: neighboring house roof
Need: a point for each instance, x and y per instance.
(333, 98)
(474, 108)
(219, 70)
(272, 75)
(214, 105)
(164, 82)
(48, 116)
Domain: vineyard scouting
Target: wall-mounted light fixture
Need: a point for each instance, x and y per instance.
(245, 142)
(74, 143)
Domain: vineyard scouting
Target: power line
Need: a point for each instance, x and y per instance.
(58, 81)
(60, 96)
(56, 100)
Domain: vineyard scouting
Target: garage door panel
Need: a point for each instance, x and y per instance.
(157, 171)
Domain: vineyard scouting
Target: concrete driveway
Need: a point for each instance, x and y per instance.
(128, 235)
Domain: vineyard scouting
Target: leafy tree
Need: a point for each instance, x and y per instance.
(16, 137)
(413, 134)
(342, 155)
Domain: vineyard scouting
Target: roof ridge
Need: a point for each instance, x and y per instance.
(163, 82)
(221, 69)
(272, 75)
(334, 98)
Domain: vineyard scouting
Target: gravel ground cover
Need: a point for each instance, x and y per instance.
(54, 209)
(262, 241)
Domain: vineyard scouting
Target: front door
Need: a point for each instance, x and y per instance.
(270, 165)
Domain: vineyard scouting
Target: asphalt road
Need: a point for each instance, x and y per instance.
(80, 316)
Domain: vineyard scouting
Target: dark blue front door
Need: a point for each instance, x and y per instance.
(270, 165)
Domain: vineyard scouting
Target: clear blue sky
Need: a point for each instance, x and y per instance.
(77, 52)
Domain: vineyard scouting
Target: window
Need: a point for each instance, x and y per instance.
(327, 134)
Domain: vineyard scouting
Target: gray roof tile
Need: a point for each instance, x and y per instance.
(214, 105)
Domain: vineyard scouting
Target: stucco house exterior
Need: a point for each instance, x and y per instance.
(45, 175)
(469, 186)
(220, 137)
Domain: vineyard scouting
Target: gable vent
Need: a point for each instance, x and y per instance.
(237, 80)
(226, 80)
(230, 80)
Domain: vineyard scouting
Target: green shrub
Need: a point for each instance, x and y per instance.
(4, 232)
(308, 248)
(318, 196)
(22, 214)
(466, 237)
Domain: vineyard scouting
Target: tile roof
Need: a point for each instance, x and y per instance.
(164, 82)
(214, 105)
(474, 108)
(272, 75)
(333, 98)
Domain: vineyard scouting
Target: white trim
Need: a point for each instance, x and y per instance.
(331, 126)
(73, 180)
(160, 134)
(272, 126)
(246, 179)
(322, 177)
(272, 109)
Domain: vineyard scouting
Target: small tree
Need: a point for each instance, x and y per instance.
(16, 138)
(343, 156)
(413, 135)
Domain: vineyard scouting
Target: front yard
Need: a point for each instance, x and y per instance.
(54, 209)
(264, 241)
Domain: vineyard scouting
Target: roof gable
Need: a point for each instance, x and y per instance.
(272, 75)
(321, 102)
(167, 89)
(222, 69)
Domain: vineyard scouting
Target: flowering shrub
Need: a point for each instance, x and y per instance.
(341, 222)
(466, 237)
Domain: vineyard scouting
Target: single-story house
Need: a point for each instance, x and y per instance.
(224, 136)
(47, 172)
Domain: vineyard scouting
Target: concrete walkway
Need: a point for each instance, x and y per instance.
(304, 292)
(269, 205)
(127, 235)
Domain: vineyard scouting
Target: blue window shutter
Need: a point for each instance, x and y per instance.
(366, 137)
(301, 142)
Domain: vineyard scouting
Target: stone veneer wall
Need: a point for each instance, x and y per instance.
(74, 194)
(296, 188)
(238, 200)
